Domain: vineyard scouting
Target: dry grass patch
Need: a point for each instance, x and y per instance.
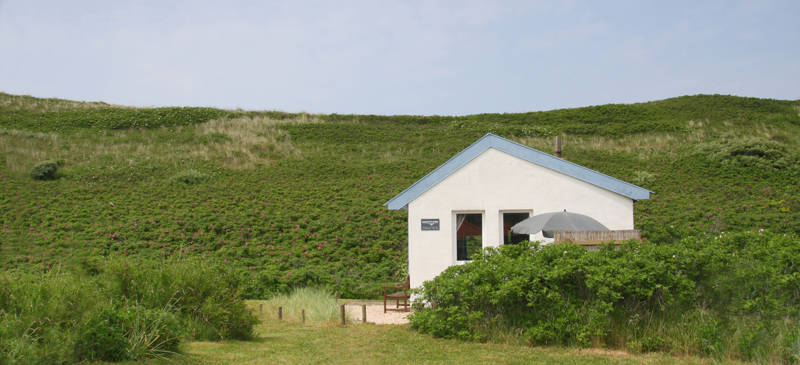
(247, 141)
(648, 145)
(239, 143)
(23, 149)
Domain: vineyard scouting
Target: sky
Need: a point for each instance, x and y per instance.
(398, 57)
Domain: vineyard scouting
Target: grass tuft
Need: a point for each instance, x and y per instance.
(189, 177)
(320, 305)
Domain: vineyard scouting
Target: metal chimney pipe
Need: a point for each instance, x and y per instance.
(558, 146)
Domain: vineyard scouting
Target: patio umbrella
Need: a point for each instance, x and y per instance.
(557, 221)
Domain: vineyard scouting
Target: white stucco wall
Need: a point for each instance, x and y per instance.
(493, 183)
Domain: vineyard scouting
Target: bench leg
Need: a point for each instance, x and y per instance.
(384, 304)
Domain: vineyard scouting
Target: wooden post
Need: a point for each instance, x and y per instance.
(558, 146)
(364, 313)
(260, 307)
(303, 313)
(280, 312)
(342, 311)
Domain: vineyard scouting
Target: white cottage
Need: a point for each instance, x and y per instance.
(472, 200)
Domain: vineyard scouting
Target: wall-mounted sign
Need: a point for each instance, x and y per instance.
(430, 224)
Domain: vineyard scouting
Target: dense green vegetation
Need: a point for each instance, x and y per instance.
(292, 200)
(95, 198)
(118, 310)
(733, 295)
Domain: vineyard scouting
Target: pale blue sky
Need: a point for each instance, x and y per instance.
(398, 57)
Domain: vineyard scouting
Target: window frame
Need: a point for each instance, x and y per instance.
(501, 222)
(454, 230)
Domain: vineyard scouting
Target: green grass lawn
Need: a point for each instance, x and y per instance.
(284, 342)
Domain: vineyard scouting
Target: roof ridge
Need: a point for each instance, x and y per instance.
(570, 162)
(560, 165)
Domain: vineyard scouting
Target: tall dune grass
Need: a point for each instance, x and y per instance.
(320, 305)
(123, 311)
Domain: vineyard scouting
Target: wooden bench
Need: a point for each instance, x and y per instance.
(398, 293)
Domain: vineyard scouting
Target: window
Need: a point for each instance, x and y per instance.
(469, 235)
(509, 220)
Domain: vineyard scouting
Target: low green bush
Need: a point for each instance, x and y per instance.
(45, 170)
(749, 152)
(716, 295)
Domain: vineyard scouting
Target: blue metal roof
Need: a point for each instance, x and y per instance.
(400, 201)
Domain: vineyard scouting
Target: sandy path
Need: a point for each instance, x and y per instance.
(375, 313)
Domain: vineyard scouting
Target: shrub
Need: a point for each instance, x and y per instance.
(716, 295)
(45, 170)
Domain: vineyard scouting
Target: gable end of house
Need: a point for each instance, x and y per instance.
(400, 201)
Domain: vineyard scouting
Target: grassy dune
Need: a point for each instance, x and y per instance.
(296, 199)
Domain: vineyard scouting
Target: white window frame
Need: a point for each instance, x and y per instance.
(500, 222)
(454, 230)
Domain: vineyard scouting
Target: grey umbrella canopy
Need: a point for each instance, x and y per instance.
(557, 221)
